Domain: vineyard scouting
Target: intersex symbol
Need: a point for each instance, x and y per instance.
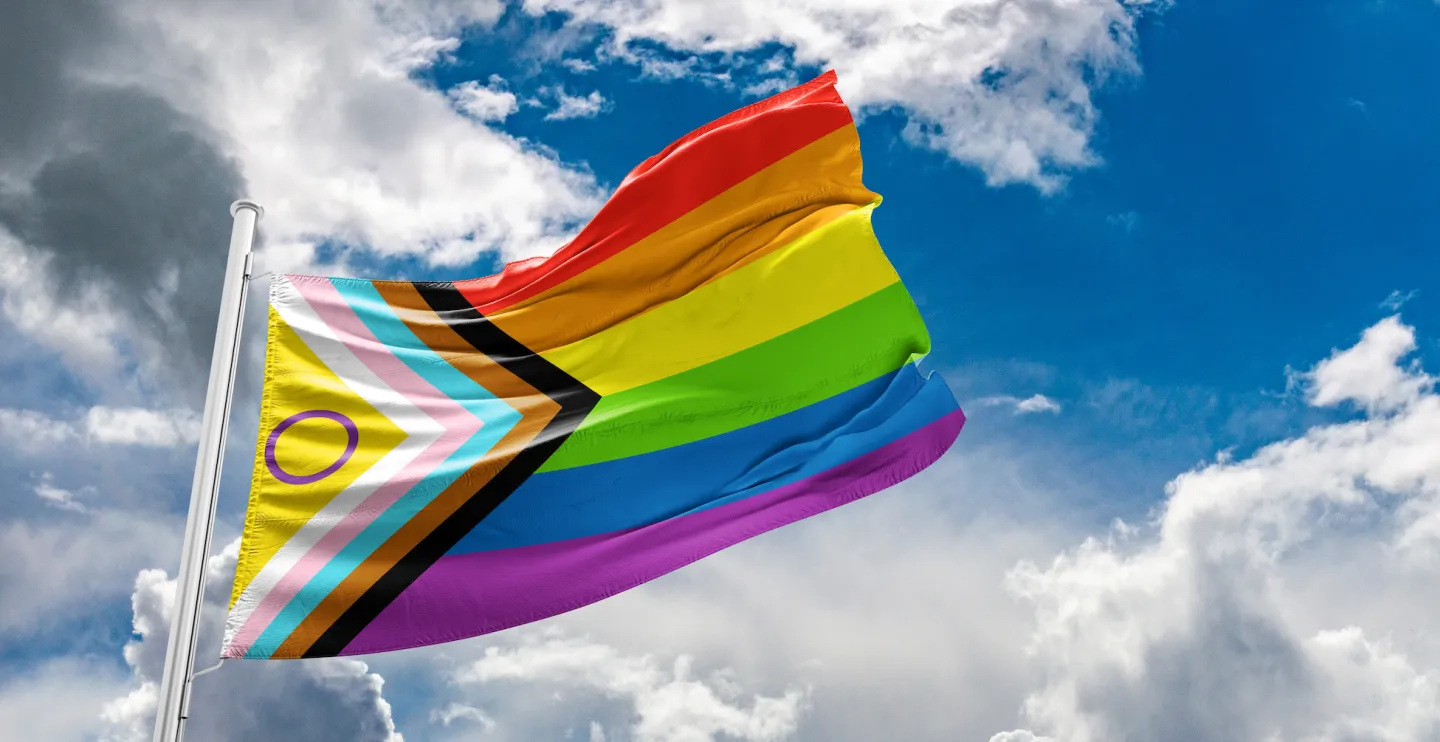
(352, 439)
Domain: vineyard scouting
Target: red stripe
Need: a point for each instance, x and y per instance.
(696, 168)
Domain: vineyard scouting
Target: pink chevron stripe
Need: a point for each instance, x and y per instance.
(458, 423)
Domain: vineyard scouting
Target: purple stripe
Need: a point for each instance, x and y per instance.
(465, 595)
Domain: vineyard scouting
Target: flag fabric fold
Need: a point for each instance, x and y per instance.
(722, 350)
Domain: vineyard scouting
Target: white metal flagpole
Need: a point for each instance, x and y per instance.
(174, 697)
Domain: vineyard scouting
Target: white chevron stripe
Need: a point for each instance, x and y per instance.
(421, 430)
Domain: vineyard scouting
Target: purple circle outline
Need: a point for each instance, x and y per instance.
(352, 435)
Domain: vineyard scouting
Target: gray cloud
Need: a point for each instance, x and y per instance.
(60, 568)
(1233, 673)
(113, 184)
(315, 700)
(37, 41)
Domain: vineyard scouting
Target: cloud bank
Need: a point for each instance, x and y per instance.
(1004, 85)
(1269, 597)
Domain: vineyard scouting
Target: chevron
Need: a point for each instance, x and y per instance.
(463, 448)
(432, 384)
(572, 402)
(442, 434)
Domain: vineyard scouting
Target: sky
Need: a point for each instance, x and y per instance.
(1176, 259)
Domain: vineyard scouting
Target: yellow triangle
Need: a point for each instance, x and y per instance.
(297, 381)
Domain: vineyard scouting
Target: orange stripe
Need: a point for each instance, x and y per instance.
(536, 411)
(801, 193)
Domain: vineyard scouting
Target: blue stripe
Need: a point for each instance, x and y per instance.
(638, 490)
(498, 417)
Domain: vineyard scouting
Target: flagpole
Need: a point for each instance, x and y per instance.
(174, 696)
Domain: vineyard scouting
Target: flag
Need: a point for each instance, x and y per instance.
(722, 350)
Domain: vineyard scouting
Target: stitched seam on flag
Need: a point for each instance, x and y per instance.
(248, 548)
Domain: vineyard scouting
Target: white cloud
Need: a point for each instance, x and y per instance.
(1027, 406)
(669, 703)
(1036, 403)
(61, 699)
(34, 432)
(578, 66)
(79, 328)
(1126, 221)
(29, 430)
(1237, 613)
(1398, 299)
(1019, 735)
(339, 141)
(576, 106)
(141, 427)
(1005, 86)
(461, 711)
(890, 612)
(56, 571)
(64, 499)
(1368, 375)
(484, 102)
(331, 699)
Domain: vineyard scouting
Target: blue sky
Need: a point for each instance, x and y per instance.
(1190, 260)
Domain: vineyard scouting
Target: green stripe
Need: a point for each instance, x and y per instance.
(833, 354)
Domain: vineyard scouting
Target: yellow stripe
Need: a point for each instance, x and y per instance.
(819, 273)
(297, 381)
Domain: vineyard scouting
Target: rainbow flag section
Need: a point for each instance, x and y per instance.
(723, 350)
